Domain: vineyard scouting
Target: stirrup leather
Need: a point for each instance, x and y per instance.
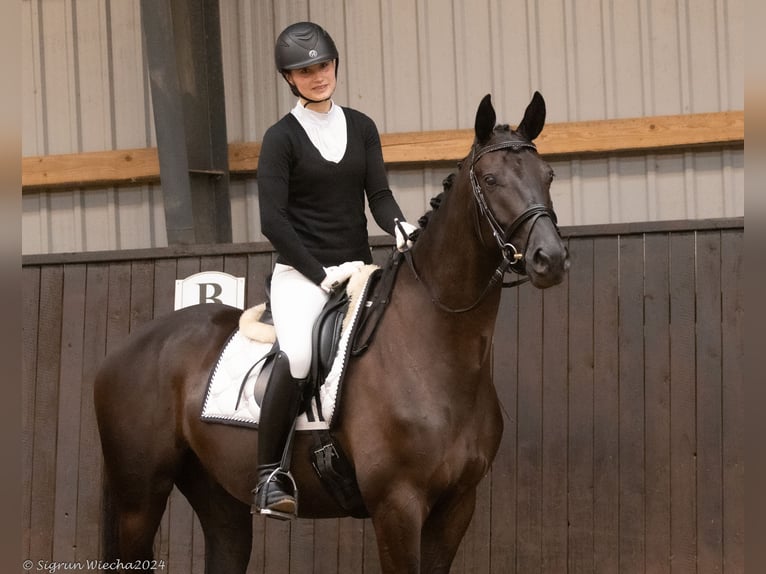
(261, 491)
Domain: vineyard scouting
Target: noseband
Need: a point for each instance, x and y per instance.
(511, 255)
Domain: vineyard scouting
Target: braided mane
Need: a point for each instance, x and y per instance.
(436, 201)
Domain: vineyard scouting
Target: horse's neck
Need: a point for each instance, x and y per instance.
(452, 256)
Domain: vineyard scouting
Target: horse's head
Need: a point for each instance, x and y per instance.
(511, 184)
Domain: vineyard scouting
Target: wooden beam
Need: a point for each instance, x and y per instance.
(558, 140)
(90, 169)
(632, 135)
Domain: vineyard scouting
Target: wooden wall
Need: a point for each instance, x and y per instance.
(622, 391)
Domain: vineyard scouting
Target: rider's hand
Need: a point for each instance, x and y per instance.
(337, 274)
(403, 232)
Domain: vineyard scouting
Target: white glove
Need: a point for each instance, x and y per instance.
(337, 274)
(403, 241)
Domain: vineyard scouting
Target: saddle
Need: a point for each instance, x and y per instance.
(325, 337)
(327, 329)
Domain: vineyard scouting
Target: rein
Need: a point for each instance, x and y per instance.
(511, 255)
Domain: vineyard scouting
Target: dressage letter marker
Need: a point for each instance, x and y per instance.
(210, 287)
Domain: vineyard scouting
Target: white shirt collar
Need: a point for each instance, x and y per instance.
(327, 131)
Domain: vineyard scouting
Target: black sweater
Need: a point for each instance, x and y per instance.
(312, 209)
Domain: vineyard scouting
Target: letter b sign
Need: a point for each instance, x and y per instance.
(210, 287)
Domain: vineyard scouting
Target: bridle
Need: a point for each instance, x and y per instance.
(511, 255)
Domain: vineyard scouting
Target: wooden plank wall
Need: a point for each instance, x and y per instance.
(622, 391)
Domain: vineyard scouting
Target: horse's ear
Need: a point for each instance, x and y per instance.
(534, 118)
(485, 119)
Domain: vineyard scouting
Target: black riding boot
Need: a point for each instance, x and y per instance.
(276, 493)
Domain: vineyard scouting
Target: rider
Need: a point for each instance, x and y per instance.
(316, 165)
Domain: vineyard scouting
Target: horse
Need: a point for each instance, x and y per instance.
(419, 418)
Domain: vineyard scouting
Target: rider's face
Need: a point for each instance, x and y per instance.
(316, 82)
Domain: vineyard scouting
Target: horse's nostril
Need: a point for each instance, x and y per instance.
(541, 259)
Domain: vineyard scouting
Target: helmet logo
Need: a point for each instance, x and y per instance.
(313, 53)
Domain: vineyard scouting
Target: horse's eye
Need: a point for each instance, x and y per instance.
(489, 179)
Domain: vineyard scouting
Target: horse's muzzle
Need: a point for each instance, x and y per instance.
(547, 266)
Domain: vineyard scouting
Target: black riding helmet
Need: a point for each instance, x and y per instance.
(303, 44)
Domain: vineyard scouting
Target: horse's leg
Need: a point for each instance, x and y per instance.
(139, 503)
(444, 529)
(141, 452)
(140, 463)
(398, 519)
(226, 521)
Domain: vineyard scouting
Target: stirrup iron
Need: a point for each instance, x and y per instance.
(260, 492)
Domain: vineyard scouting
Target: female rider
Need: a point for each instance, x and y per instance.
(316, 166)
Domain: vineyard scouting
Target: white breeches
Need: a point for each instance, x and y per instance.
(296, 302)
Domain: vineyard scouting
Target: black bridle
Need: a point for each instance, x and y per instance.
(511, 255)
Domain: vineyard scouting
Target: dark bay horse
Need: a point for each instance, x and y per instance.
(419, 418)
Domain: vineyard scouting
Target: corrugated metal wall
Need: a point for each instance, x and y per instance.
(85, 88)
(410, 65)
